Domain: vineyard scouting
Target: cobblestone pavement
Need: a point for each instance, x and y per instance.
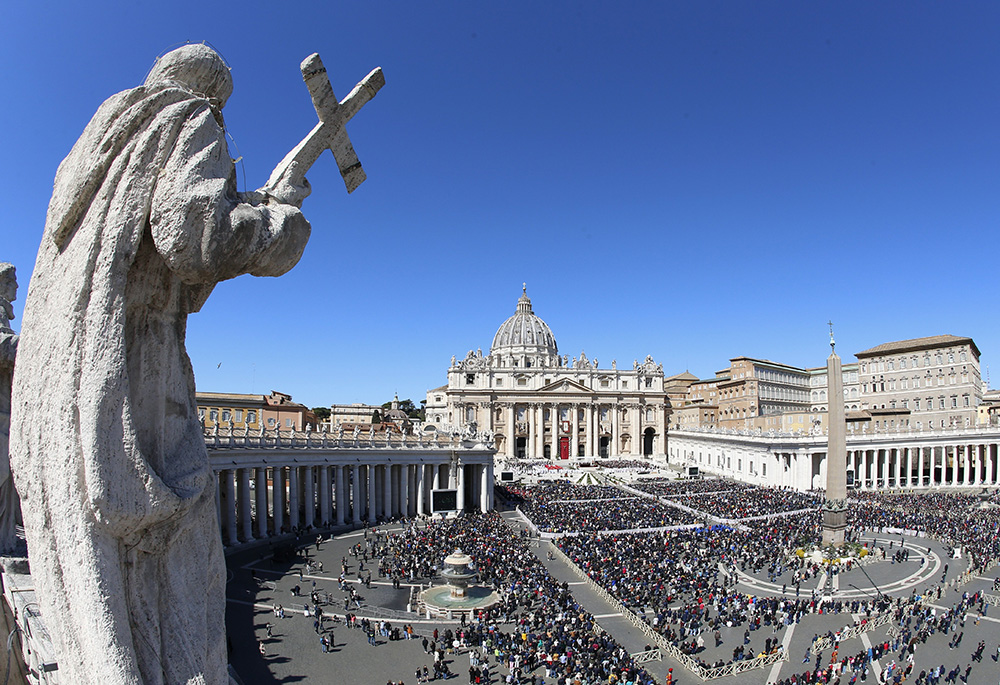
(293, 652)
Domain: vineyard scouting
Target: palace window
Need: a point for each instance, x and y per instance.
(238, 416)
(522, 381)
(225, 415)
(213, 415)
(470, 378)
(251, 416)
(201, 413)
(498, 382)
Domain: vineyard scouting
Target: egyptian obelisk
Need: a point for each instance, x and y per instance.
(835, 507)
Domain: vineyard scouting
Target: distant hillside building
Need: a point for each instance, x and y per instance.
(244, 411)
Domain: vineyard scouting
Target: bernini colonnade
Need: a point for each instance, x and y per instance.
(270, 484)
(949, 458)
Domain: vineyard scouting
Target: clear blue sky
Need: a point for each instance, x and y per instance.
(694, 181)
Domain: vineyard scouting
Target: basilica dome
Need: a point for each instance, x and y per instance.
(524, 334)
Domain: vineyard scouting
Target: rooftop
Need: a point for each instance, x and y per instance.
(916, 344)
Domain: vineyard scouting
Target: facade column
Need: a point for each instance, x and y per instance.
(554, 449)
(588, 420)
(637, 436)
(574, 445)
(616, 431)
(371, 493)
(246, 517)
(920, 466)
(338, 479)
(260, 484)
(356, 500)
(293, 496)
(511, 431)
(899, 466)
(231, 510)
(324, 495)
(531, 413)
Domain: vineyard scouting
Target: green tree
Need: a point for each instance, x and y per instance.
(376, 417)
(322, 413)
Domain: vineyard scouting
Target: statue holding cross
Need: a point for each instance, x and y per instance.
(107, 450)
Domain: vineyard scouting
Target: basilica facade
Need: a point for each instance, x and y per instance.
(538, 404)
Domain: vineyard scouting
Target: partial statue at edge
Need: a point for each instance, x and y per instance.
(9, 506)
(107, 449)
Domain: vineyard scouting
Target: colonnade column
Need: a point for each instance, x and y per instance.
(404, 490)
(574, 446)
(324, 495)
(293, 496)
(483, 490)
(260, 484)
(308, 473)
(371, 493)
(230, 477)
(387, 490)
(356, 500)
(920, 466)
(338, 479)
(489, 486)
(278, 497)
(246, 517)
(419, 485)
(460, 486)
(218, 501)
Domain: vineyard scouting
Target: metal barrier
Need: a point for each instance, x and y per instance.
(877, 621)
(745, 665)
(647, 656)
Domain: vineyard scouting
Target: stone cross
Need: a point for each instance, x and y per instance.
(330, 133)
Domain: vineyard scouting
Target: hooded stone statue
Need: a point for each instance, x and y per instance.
(106, 446)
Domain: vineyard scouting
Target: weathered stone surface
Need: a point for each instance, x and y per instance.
(9, 506)
(106, 447)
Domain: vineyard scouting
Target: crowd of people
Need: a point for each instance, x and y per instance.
(537, 628)
(750, 502)
(559, 507)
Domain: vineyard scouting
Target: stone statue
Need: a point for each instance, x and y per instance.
(107, 449)
(9, 506)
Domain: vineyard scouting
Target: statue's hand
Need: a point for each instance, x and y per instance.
(289, 193)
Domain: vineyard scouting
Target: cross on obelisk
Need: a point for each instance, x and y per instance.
(330, 132)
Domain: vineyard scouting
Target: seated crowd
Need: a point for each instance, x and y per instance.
(537, 626)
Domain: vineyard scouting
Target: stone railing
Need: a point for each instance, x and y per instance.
(216, 438)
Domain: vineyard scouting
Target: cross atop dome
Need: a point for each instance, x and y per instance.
(524, 302)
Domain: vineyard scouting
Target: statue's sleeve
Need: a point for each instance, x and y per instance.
(203, 228)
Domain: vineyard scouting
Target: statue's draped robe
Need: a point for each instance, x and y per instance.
(106, 446)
